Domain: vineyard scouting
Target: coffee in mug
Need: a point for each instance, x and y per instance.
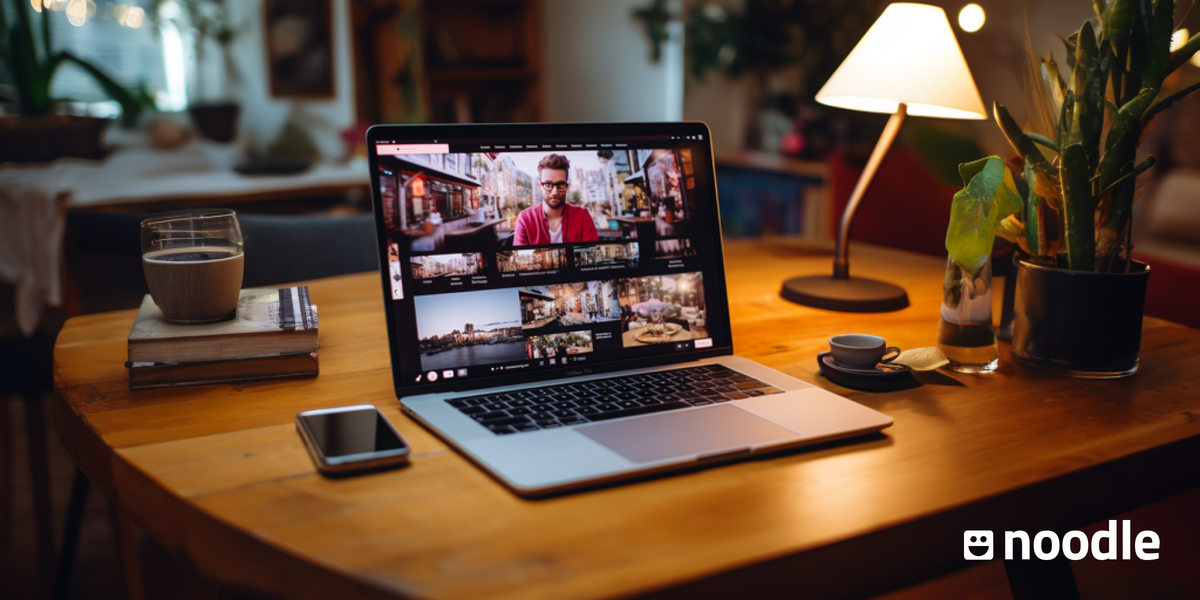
(193, 261)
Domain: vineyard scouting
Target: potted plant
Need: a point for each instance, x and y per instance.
(1079, 293)
(214, 112)
(35, 134)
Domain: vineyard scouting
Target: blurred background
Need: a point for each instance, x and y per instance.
(110, 111)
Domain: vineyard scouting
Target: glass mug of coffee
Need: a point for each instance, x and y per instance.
(193, 262)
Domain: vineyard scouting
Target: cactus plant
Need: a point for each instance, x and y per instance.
(1078, 180)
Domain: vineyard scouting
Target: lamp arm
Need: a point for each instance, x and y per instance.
(841, 261)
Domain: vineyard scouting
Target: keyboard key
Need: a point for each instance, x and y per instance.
(771, 390)
(472, 410)
(563, 405)
(495, 414)
(495, 406)
(700, 401)
(641, 410)
(608, 406)
(520, 402)
(573, 420)
(548, 424)
(541, 416)
(526, 427)
(739, 378)
(519, 411)
(459, 403)
(749, 385)
(628, 403)
(502, 430)
(588, 410)
(755, 393)
(562, 414)
(735, 395)
(504, 421)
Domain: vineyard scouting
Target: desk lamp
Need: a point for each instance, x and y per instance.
(908, 63)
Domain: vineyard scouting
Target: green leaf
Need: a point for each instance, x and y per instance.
(1053, 81)
(1118, 24)
(1035, 227)
(130, 107)
(1166, 103)
(1120, 147)
(1079, 209)
(977, 210)
(1022, 144)
(1158, 44)
(1089, 82)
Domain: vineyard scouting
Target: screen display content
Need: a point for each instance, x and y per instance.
(509, 257)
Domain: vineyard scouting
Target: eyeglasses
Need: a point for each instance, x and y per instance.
(560, 186)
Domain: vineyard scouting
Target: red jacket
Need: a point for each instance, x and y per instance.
(533, 229)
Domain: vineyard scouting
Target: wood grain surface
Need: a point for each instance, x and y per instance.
(219, 474)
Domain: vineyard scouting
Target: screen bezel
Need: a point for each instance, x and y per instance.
(449, 133)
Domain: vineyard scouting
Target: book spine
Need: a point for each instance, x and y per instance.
(287, 312)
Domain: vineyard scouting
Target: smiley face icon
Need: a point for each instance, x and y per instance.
(978, 544)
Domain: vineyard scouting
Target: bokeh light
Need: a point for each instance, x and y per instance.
(971, 18)
(1178, 39)
(77, 12)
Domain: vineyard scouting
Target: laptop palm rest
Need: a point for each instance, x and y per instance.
(690, 432)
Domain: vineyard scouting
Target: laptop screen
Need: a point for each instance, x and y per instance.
(536, 251)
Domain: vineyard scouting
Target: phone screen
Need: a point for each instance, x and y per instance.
(352, 432)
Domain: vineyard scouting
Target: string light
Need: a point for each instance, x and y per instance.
(77, 12)
(119, 13)
(134, 17)
(91, 9)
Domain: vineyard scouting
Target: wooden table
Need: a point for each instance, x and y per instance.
(218, 473)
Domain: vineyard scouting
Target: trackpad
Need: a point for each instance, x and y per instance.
(685, 433)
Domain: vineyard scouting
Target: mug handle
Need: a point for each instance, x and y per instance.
(892, 353)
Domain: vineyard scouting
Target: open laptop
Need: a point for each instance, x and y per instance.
(556, 304)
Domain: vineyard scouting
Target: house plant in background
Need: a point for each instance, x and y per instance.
(29, 63)
(213, 109)
(1079, 294)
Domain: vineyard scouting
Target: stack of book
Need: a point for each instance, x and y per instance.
(273, 335)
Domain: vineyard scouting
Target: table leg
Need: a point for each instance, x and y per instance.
(6, 474)
(126, 533)
(70, 542)
(39, 476)
(1041, 579)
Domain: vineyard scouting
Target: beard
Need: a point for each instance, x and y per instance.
(556, 202)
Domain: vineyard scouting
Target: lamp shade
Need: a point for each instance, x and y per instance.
(909, 55)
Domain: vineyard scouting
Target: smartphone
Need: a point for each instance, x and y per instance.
(350, 439)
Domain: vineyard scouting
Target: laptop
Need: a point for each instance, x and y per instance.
(556, 305)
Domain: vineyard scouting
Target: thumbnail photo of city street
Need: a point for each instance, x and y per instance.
(469, 328)
(531, 260)
(618, 256)
(558, 345)
(569, 304)
(676, 248)
(659, 309)
(446, 265)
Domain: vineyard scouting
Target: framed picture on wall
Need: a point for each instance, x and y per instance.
(299, 40)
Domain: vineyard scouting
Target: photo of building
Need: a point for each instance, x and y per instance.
(569, 304)
(676, 248)
(558, 345)
(469, 328)
(446, 265)
(623, 256)
(538, 259)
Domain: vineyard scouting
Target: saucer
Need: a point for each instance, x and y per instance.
(867, 380)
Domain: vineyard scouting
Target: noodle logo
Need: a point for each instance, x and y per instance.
(1106, 544)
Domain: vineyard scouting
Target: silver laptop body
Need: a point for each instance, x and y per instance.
(641, 299)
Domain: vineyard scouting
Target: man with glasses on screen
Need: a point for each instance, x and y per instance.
(554, 221)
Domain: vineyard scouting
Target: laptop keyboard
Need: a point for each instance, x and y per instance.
(605, 399)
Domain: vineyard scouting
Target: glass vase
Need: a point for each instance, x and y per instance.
(965, 332)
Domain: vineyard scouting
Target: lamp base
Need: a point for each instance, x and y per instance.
(856, 294)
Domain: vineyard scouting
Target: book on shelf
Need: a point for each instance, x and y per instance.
(268, 322)
(150, 375)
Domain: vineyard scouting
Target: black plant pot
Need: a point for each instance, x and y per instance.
(1078, 323)
(217, 122)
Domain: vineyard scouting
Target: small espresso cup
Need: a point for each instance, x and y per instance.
(193, 262)
(859, 351)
